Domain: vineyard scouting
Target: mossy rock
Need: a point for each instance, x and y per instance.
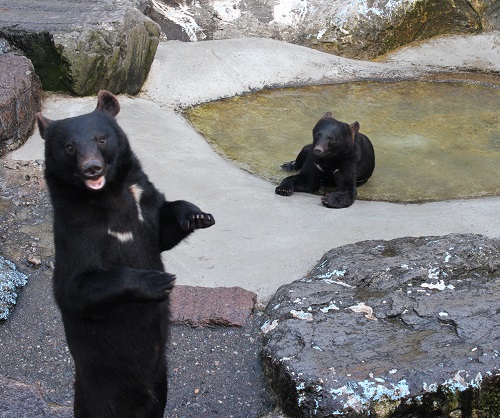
(83, 48)
(375, 31)
(116, 58)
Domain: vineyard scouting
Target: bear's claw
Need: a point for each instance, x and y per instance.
(199, 221)
(284, 191)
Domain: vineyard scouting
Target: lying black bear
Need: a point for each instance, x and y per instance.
(110, 226)
(339, 156)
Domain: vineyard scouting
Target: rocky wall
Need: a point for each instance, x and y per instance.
(357, 29)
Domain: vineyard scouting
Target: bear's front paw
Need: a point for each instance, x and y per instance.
(198, 220)
(338, 200)
(155, 285)
(284, 190)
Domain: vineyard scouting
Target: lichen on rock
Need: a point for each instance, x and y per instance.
(11, 280)
(415, 330)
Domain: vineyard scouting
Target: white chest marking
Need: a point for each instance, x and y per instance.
(136, 193)
(122, 236)
(318, 167)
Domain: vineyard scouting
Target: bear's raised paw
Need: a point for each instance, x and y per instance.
(198, 221)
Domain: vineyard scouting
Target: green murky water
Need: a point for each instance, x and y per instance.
(432, 140)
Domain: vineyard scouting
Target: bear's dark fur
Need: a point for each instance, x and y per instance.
(339, 156)
(110, 226)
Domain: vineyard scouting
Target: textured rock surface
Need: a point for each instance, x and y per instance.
(11, 281)
(25, 229)
(432, 55)
(358, 29)
(203, 306)
(363, 31)
(20, 98)
(23, 400)
(382, 327)
(83, 46)
(489, 12)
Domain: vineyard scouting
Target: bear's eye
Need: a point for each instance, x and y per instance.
(70, 149)
(101, 140)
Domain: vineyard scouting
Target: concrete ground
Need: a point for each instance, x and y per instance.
(261, 240)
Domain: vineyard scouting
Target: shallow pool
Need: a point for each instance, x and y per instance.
(433, 140)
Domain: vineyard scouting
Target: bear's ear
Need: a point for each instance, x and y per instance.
(43, 122)
(108, 103)
(328, 115)
(354, 129)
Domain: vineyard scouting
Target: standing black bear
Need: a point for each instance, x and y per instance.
(339, 156)
(110, 226)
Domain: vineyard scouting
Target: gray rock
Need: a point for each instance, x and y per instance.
(367, 32)
(11, 281)
(358, 29)
(20, 99)
(489, 12)
(408, 326)
(84, 46)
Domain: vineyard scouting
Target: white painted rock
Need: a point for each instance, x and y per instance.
(357, 28)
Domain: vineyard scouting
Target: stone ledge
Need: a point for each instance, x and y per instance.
(205, 306)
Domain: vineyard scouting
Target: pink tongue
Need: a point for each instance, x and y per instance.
(96, 184)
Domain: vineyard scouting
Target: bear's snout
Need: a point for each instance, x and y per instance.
(318, 150)
(93, 172)
(92, 168)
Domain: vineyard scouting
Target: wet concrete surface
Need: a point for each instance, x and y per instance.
(217, 372)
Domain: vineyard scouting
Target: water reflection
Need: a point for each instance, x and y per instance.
(433, 140)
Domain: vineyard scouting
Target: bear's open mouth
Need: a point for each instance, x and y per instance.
(96, 184)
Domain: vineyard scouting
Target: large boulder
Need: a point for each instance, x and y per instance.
(358, 29)
(84, 46)
(20, 98)
(407, 327)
